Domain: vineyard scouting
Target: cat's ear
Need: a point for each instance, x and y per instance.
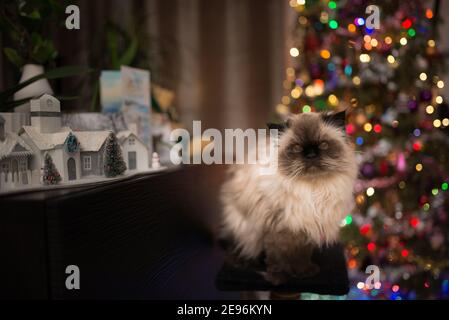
(337, 119)
(281, 127)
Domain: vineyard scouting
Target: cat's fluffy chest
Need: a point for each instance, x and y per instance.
(314, 207)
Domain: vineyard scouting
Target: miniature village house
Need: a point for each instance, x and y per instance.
(14, 157)
(76, 154)
(135, 152)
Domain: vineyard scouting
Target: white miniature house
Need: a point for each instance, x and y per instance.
(14, 158)
(134, 150)
(76, 154)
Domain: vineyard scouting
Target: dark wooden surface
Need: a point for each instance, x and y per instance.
(150, 237)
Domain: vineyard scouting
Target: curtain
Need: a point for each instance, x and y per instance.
(224, 59)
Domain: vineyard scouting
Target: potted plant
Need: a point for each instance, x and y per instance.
(26, 24)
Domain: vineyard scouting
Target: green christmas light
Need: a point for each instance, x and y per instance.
(434, 192)
(348, 219)
(426, 207)
(444, 186)
(306, 109)
(411, 32)
(321, 104)
(333, 24)
(332, 5)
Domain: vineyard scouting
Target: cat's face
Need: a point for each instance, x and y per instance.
(314, 145)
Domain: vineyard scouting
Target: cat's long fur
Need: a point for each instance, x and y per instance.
(291, 205)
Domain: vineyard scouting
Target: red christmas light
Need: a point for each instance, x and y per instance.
(405, 253)
(365, 229)
(377, 128)
(371, 246)
(407, 23)
(350, 129)
(414, 222)
(417, 146)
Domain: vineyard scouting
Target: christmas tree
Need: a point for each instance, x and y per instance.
(114, 164)
(388, 77)
(51, 175)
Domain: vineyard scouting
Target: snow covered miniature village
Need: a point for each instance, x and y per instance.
(37, 151)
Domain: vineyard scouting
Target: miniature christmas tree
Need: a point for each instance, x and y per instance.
(114, 164)
(51, 175)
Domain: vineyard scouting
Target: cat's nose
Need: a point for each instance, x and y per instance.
(311, 152)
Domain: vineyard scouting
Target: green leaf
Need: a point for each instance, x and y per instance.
(93, 104)
(43, 52)
(130, 53)
(14, 57)
(112, 45)
(33, 15)
(62, 72)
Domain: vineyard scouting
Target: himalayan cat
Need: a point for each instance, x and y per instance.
(282, 217)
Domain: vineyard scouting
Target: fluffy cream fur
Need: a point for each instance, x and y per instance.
(256, 204)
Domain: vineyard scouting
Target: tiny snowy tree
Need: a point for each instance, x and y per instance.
(114, 164)
(51, 175)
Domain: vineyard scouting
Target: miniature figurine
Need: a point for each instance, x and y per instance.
(156, 164)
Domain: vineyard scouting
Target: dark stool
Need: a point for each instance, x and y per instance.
(332, 278)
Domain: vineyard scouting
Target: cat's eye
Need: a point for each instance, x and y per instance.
(296, 148)
(324, 145)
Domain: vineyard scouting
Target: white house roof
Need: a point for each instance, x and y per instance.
(46, 141)
(13, 145)
(89, 140)
(123, 135)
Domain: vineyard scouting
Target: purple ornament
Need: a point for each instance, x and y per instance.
(412, 105)
(299, 82)
(368, 170)
(425, 95)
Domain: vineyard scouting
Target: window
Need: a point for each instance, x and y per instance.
(87, 162)
(5, 167)
(132, 141)
(22, 165)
